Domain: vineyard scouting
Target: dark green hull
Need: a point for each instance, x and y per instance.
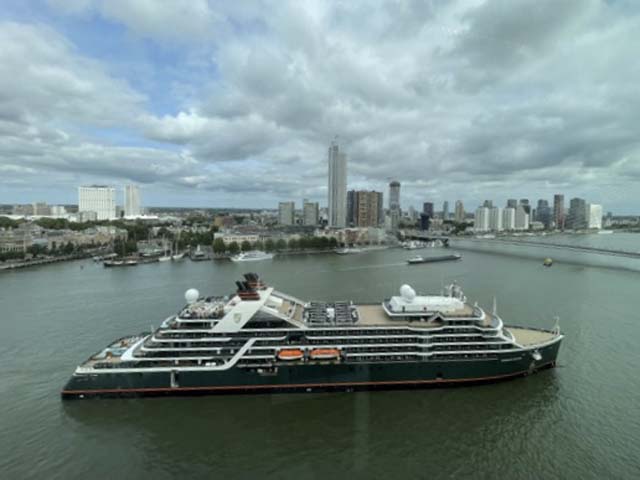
(313, 377)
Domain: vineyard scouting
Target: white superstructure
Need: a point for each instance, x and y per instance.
(99, 199)
(337, 187)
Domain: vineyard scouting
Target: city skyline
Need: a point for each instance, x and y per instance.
(179, 97)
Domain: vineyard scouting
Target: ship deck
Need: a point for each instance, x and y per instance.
(527, 336)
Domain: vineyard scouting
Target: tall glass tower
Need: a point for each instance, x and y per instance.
(337, 186)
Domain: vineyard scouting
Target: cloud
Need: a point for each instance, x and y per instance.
(466, 99)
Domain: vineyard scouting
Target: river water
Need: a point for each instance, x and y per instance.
(580, 420)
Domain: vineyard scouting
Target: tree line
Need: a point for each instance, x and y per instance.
(269, 245)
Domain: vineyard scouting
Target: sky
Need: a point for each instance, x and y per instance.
(234, 104)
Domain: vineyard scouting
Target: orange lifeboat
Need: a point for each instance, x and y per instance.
(291, 354)
(324, 353)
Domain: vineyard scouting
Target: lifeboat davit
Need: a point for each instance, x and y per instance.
(291, 354)
(324, 353)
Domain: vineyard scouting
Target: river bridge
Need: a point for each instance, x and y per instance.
(563, 246)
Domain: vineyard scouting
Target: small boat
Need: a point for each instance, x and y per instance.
(290, 354)
(439, 258)
(252, 256)
(199, 255)
(547, 262)
(347, 250)
(324, 353)
(164, 258)
(177, 256)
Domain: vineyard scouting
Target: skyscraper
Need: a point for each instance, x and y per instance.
(595, 216)
(367, 209)
(521, 218)
(427, 209)
(488, 203)
(352, 206)
(543, 213)
(337, 186)
(577, 217)
(512, 203)
(394, 203)
(509, 218)
(445, 210)
(132, 201)
(558, 210)
(481, 220)
(310, 213)
(99, 199)
(495, 219)
(459, 211)
(525, 205)
(286, 213)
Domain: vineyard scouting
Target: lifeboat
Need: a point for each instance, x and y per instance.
(291, 354)
(324, 353)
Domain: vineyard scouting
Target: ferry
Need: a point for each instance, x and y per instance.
(252, 256)
(258, 339)
(436, 258)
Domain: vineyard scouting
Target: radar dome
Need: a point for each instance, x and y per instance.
(191, 295)
(407, 293)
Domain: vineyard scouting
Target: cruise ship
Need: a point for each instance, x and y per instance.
(258, 339)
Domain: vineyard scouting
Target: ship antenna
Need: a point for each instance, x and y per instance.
(556, 327)
(495, 307)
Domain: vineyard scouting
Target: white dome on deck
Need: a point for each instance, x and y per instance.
(407, 293)
(191, 295)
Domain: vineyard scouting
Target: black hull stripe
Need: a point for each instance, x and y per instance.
(296, 385)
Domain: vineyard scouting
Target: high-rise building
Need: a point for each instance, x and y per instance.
(364, 208)
(394, 204)
(481, 220)
(577, 218)
(495, 219)
(286, 213)
(352, 206)
(445, 210)
(509, 218)
(132, 201)
(310, 213)
(337, 186)
(595, 216)
(558, 210)
(543, 213)
(521, 218)
(525, 205)
(512, 203)
(488, 203)
(427, 209)
(99, 199)
(459, 211)
(41, 208)
(425, 221)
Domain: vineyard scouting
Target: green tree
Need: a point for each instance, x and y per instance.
(234, 248)
(293, 244)
(281, 244)
(333, 243)
(269, 245)
(259, 245)
(219, 246)
(68, 248)
(246, 246)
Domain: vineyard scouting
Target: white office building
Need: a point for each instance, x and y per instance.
(132, 201)
(337, 187)
(99, 199)
(481, 220)
(286, 213)
(522, 218)
(509, 218)
(595, 216)
(495, 219)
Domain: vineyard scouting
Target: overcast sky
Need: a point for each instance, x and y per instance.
(233, 104)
